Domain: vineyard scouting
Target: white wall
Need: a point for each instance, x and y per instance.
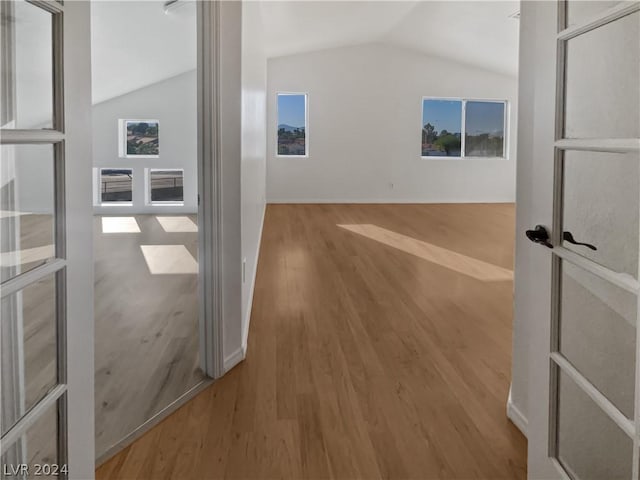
(518, 406)
(254, 139)
(173, 103)
(364, 132)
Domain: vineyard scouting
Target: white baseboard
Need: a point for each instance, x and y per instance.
(516, 416)
(381, 201)
(233, 359)
(247, 319)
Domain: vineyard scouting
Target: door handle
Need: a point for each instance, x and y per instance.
(539, 235)
(568, 236)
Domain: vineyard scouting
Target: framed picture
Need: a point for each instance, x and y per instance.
(139, 138)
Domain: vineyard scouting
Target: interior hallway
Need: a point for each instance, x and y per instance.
(380, 347)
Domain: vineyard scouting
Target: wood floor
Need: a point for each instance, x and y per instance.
(372, 354)
(146, 320)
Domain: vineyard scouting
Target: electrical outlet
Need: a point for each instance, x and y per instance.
(244, 270)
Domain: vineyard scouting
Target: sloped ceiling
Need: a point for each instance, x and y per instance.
(477, 33)
(135, 44)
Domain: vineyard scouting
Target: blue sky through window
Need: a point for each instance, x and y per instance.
(443, 115)
(291, 110)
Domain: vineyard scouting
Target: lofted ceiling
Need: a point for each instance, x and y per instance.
(477, 33)
(135, 43)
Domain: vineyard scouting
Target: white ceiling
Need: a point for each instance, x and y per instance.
(135, 44)
(478, 33)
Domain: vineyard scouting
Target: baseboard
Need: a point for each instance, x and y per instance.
(247, 319)
(232, 360)
(516, 416)
(379, 201)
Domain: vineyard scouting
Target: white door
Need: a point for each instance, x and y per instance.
(46, 329)
(582, 298)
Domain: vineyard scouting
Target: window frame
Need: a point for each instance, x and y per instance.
(149, 201)
(99, 201)
(306, 125)
(122, 137)
(463, 127)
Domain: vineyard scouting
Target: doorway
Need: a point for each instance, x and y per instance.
(145, 177)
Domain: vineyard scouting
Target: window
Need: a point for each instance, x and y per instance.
(116, 186)
(139, 138)
(441, 128)
(292, 125)
(463, 128)
(484, 129)
(166, 186)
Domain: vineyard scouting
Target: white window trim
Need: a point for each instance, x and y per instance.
(306, 125)
(147, 183)
(99, 201)
(122, 137)
(464, 100)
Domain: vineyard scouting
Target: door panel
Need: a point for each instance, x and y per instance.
(600, 197)
(27, 208)
(598, 333)
(45, 198)
(31, 71)
(38, 446)
(602, 81)
(590, 445)
(580, 10)
(584, 349)
(33, 311)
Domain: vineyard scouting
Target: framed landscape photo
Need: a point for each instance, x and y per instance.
(139, 138)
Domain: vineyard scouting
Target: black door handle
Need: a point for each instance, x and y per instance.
(539, 235)
(568, 236)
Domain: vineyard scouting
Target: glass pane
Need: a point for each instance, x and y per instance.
(116, 185)
(601, 207)
(26, 208)
(292, 124)
(441, 128)
(142, 138)
(36, 452)
(166, 186)
(27, 72)
(579, 11)
(29, 348)
(484, 129)
(603, 73)
(598, 333)
(590, 444)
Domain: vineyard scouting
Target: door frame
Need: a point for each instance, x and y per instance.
(210, 262)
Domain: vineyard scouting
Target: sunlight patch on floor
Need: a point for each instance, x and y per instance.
(27, 255)
(120, 225)
(169, 259)
(12, 213)
(457, 262)
(177, 224)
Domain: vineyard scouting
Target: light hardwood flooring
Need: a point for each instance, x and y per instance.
(378, 348)
(146, 321)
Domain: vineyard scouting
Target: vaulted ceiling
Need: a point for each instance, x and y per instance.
(134, 43)
(478, 33)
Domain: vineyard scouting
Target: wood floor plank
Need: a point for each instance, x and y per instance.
(365, 360)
